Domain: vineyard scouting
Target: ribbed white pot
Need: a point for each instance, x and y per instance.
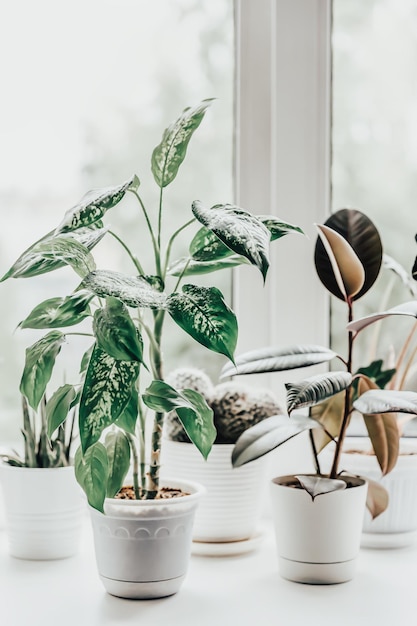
(232, 506)
(143, 546)
(44, 510)
(317, 541)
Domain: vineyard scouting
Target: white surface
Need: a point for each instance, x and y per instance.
(229, 548)
(224, 590)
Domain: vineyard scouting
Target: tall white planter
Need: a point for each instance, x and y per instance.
(44, 510)
(232, 506)
(317, 541)
(143, 546)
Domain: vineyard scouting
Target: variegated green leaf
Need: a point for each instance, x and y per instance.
(192, 409)
(268, 435)
(106, 392)
(59, 312)
(275, 359)
(39, 363)
(315, 389)
(134, 291)
(85, 358)
(278, 228)
(203, 314)
(94, 204)
(129, 416)
(170, 153)
(118, 455)
(189, 267)
(33, 261)
(319, 485)
(58, 407)
(91, 472)
(239, 230)
(116, 333)
(68, 251)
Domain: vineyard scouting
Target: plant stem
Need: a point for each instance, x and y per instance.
(135, 465)
(131, 255)
(171, 241)
(156, 244)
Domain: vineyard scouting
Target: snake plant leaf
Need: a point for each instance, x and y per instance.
(204, 315)
(330, 415)
(315, 389)
(192, 410)
(116, 332)
(405, 309)
(129, 416)
(394, 266)
(377, 498)
(319, 485)
(170, 153)
(94, 204)
(347, 268)
(360, 232)
(386, 401)
(383, 431)
(134, 291)
(34, 261)
(91, 472)
(187, 266)
(59, 312)
(274, 359)
(107, 390)
(241, 231)
(39, 363)
(267, 435)
(58, 407)
(118, 455)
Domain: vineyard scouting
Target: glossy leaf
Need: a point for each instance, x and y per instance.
(268, 435)
(129, 416)
(278, 228)
(58, 407)
(192, 409)
(170, 153)
(406, 309)
(387, 401)
(275, 359)
(318, 485)
(239, 230)
(116, 333)
(377, 498)
(203, 314)
(359, 231)
(189, 267)
(134, 291)
(315, 389)
(39, 363)
(59, 312)
(330, 414)
(118, 455)
(94, 204)
(91, 472)
(374, 372)
(106, 392)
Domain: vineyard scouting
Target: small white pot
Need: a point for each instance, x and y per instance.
(317, 541)
(44, 510)
(231, 509)
(143, 546)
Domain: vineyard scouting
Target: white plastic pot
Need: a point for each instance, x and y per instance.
(317, 541)
(143, 546)
(44, 510)
(232, 506)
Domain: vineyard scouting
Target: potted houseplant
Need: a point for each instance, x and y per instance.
(142, 532)
(317, 531)
(43, 502)
(227, 520)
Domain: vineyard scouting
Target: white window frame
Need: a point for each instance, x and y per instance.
(282, 162)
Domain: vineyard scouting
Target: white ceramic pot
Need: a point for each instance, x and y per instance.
(143, 546)
(44, 510)
(317, 541)
(232, 506)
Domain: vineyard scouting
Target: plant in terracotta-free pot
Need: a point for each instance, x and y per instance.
(319, 517)
(142, 533)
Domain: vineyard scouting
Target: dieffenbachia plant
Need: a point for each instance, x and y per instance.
(348, 256)
(128, 314)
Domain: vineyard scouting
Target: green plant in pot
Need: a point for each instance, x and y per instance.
(123, 373)
(348, 255)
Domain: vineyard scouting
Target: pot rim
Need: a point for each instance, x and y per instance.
(286, 480)
(197, 490)
(12, 468)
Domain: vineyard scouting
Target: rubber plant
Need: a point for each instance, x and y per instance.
(128, 314)
(348, 256)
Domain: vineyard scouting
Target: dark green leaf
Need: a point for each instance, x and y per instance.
(170, 153)
(406, 309)
(206, 246)
(91, 472)
(189, 267)
(134, 291)
(127, 420)
(118, 454)
(374, 372)
(68, 251)
(106, 392)
(59, 312)
(203, 314)
(278, 228)
(39, 363)
(116, 333)
(85, 359)
(317, 485)
(58, 407)
(315, 389)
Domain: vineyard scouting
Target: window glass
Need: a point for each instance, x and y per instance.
(88, 86)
